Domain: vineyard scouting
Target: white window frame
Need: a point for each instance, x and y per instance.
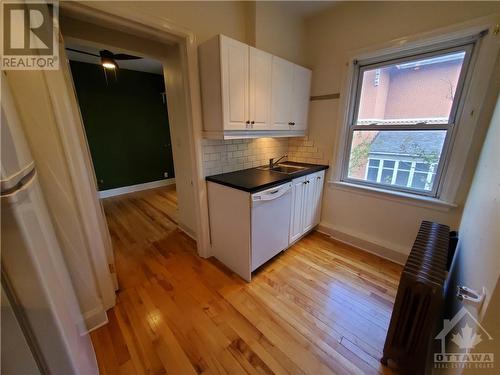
(467, 44)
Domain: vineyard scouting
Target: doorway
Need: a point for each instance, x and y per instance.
(125, 116)
(171, 208)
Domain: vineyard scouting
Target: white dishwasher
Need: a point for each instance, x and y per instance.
(270, 225)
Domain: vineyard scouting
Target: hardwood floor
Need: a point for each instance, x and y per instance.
(321, 307)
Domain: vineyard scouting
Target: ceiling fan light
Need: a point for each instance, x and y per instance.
(108, 63)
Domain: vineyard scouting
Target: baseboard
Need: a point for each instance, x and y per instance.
(187, 230)
(134, 188)
(95, 318)
(364, 244)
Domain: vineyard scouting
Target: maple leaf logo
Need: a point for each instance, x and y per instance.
(468, 339)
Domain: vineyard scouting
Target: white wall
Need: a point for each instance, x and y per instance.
(279, 29)
(378, 223)
(204, 18)
(477, 261)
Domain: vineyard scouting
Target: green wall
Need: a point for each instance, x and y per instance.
(126, 124)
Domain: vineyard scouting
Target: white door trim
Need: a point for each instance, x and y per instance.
(132, 19)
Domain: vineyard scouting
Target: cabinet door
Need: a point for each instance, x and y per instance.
(234, 76)
(309, 209)
(282, 91)
(296, 217)
(318, 195)
(301, 97)
(260, 89)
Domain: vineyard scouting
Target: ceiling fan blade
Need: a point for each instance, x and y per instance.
(84, 52)
(124, 56)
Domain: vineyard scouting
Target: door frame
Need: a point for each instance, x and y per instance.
(133, 19)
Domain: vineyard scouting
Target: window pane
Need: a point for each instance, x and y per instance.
(372, 174)
(374, 163)
(422, 148)
(389, 163)
(404, 165)
(419, 180)
(386, 177)
(415, 91)
(402, 178)
(422, 167)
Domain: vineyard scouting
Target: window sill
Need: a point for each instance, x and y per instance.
(395, 196)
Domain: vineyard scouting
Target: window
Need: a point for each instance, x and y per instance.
(402, 114)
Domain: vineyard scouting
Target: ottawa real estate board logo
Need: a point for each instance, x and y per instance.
(30, 32)
(465, 335)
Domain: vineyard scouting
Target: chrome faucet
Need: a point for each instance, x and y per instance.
(272, 163)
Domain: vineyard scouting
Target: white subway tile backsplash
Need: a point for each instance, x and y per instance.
(221, 156)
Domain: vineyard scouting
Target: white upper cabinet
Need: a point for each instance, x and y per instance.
(260, 89)
(300, 97)
(282, 82)
(290, 100)
(234, 74)
(249, 93)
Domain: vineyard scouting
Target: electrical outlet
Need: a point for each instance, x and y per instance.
(165, 174)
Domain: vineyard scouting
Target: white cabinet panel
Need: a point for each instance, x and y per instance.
(234, 69)
(309, 203)
(307, 193)
(282, 90)
(296, 218)
(301, 92)
(260, 89)
(318, 196)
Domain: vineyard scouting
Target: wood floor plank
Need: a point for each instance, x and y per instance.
(321, 307)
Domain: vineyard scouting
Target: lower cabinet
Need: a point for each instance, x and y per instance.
(307, 192)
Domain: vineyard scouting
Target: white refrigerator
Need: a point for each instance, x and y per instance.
(42, 328)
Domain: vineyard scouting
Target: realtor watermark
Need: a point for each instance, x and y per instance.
(30, 35)
(464, 333)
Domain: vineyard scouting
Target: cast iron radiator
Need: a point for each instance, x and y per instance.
(419, 300)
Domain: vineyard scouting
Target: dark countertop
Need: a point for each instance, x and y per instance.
(254, 179)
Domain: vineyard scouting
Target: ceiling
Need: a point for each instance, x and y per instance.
(145, 64)
(307, 9)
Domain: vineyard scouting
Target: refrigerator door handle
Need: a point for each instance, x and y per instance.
(20, 184)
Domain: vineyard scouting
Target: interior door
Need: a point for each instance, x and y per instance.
(260, 89)
(301, 96)
(234, 69)
(296, 217)
(282, 88)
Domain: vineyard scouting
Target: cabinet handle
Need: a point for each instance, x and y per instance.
(319, 178)
(248, 122)
(252, 122)
(291, 123)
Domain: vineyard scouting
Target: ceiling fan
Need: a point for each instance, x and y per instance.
(108, 58)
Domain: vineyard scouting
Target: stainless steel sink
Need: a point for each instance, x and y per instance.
(284, 168)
